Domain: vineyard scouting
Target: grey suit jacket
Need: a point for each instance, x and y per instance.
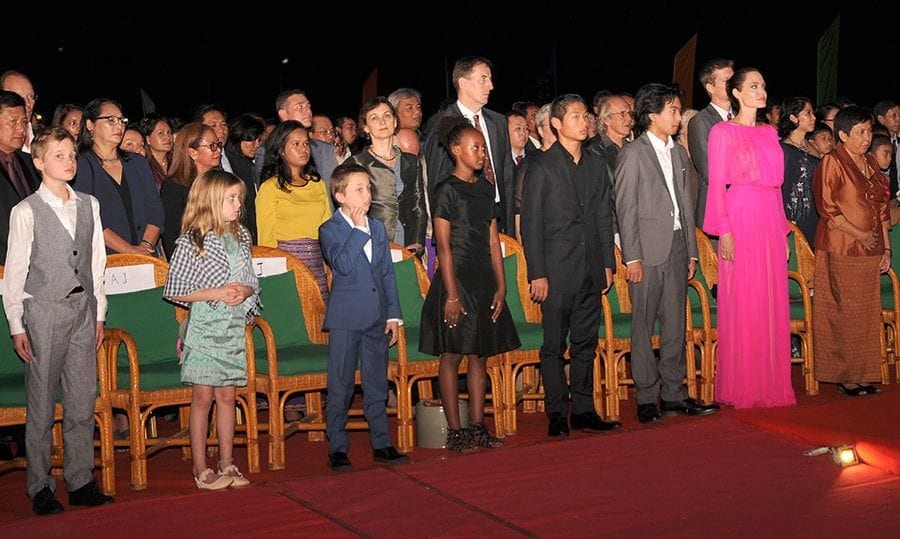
(698, 142)
(643, 204)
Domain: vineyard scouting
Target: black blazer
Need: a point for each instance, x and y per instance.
(9, 197)
(174, 200)
(565, 240)
(146, 205)
(440, 165)
(245, 169)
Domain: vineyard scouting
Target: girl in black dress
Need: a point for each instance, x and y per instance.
(465, 312)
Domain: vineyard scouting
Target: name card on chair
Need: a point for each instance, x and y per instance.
(265, 267)
(396, 255)
(125, 279)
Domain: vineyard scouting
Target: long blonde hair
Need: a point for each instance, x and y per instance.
(203, 213)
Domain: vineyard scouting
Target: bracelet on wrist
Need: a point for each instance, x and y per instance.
(150, 245)
(452, 300)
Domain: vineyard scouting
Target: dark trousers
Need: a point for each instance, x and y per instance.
(576, 316)
(660, 294)
(346, 350)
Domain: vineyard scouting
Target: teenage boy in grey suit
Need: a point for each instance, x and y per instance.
(656, 228)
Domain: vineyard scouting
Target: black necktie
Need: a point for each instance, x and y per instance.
(17, 176)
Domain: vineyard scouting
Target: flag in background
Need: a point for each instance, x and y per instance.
(826, 67)
(683, 73)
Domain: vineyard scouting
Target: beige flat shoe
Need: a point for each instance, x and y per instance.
(237, 479)
(222, 481)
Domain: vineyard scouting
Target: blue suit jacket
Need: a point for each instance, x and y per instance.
(363, 293)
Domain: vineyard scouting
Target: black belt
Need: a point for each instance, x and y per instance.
(77, 290)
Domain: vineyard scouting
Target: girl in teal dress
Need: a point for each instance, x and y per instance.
(211, 272)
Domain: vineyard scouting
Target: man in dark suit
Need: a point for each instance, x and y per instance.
(18, 177)
(567, 231)
(888, 115)
(472, 80)
(659, 248)
(714, 77)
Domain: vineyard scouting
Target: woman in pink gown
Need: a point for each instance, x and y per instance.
(744, 209)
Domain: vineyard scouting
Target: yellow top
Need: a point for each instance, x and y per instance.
(282, 215)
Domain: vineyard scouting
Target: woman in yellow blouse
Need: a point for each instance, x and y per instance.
(293, 201)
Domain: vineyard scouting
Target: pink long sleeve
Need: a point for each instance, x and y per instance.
(715, 221)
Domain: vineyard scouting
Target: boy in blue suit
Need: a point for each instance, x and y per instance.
(363, 315)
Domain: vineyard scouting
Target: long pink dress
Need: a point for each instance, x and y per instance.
(746, 168)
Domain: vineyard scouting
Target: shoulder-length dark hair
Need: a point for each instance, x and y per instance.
(62, 111)
(245, 128)
(652, 99)
(790, 106)
(274, 164)
(91, 112)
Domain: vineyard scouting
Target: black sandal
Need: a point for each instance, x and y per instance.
(869, 389)
(851, 391)
(482, 437)
(460, 441)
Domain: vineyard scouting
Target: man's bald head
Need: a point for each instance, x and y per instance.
(407, 140)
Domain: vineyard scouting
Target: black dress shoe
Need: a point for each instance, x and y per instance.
(592, 421)
(686, 406)
(89, 495)
(45, 503)
(339, 461)
(648, 413)
(868, 389)
(851, 391)
(389, 455)
(559, 427)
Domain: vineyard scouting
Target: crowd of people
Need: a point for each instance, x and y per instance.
(570, 179)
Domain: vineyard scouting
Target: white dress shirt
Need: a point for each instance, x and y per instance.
(225, 163)
(664, 156)
(722, 112)
(470, 115)
(18, 258)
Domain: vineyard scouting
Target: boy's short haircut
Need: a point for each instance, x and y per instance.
(879, 141)
(51, 134)
(818, 129)
(341, 176)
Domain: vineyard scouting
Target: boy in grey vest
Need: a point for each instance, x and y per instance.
(54, 301)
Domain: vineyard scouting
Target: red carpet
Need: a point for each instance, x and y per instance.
(706, 477)
(715, 476)
(870, 422)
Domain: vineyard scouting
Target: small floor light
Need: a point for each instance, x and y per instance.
(844, 456)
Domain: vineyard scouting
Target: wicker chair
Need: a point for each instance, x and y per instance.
(801, 267)
(290, 351)
(413, 367)
(13, 412)
(143, 371)
(526, 315)
(890, 314)
(703, 315)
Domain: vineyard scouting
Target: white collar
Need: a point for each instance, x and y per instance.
(658, 143)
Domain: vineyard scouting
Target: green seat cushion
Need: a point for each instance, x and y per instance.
(297, 359)
(622, 325)
(887, 293)
(513, 298)
(412, 347)
(797, 311)
(530, 335)
(697, 310)
(12, 385)
(411, 300)
(162, 373)
(282, 309)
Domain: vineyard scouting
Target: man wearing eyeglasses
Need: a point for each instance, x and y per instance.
(18, 177)
(214, 118)
(13, 81)
(616, 122)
